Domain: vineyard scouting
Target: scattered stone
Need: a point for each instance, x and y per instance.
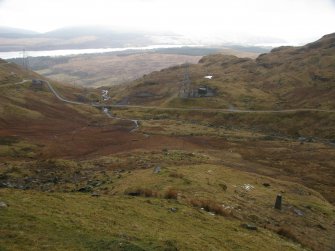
(85, 189)
(223, 186)
(248, 187)
(173, 209)
(157, 169)
(95, 194)
(249, 226)
(95, 183)
(321, 227)
(3, 204)
(266, 184)
(298, 212)
(302, 139)
(227, 207)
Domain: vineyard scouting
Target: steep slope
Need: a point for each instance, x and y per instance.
(303, 76)
(32, 118)
(21, 99)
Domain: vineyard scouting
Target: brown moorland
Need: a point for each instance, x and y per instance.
(76, 179)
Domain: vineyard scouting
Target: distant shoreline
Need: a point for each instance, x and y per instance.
(68, 52)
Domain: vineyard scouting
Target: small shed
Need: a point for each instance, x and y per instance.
(37, 84)
(202, 91)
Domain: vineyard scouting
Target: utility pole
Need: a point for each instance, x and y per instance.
(25, 62)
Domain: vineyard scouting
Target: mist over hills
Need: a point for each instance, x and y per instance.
(84, 37)
(15, 32)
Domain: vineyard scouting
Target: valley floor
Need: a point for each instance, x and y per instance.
(92, 187)
(72, 178)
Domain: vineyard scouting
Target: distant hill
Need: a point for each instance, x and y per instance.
(15, 32)
(119, 67)
(12, 39)
(72, 32)
(88, 37)
(20, 102)
(285, 78)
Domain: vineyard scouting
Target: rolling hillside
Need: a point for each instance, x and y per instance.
(73, 178)
(121, 67)
(285, 78)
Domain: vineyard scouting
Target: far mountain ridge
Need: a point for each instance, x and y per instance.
(88, 37)
(84, 37)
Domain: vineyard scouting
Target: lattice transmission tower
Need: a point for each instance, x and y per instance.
(186, 83)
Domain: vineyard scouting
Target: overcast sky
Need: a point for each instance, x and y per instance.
(295, 21)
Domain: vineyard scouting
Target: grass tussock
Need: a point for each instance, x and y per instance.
(288, 233)
(210, 206)
(171, 194)
(143, 192)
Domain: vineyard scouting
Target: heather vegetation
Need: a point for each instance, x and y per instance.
(162, 176)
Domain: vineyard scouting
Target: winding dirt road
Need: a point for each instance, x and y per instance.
(217, 109)
(171, 108)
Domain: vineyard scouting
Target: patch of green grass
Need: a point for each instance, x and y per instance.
(14, 111)
(8, 140)
(18, 149)
(40, 221)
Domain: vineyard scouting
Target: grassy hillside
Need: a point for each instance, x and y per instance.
(285, 78)
(110, 69)
(198, 207)
(12, 73)
(30, 111)
(115, 68)
(72, 178)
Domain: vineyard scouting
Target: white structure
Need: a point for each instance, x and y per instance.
(208, 77)
(104, 94)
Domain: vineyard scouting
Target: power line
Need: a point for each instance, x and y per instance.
(25, 60)
(185, 85)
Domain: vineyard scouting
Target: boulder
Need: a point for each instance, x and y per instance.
(3, 204)
(249, 226)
